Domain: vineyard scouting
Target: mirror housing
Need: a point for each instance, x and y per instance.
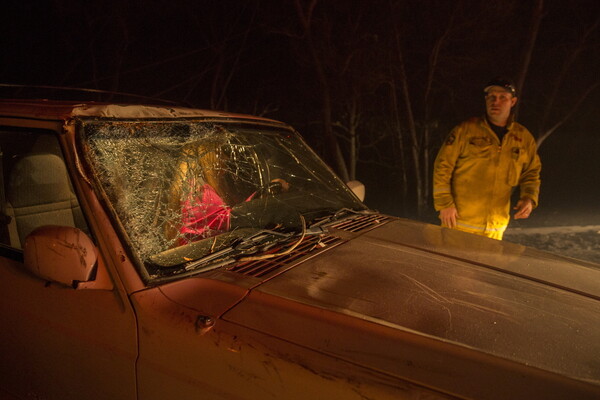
(60, 254)
(358, 188)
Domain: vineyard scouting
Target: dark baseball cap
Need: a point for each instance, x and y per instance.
(504, 83)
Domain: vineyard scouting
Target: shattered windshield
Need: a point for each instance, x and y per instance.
(184, 190)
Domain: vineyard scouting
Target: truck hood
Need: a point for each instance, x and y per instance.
(391, 298)
(463, 314)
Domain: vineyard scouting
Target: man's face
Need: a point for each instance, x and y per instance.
(498, 103)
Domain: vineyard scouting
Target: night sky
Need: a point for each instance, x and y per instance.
(257, 57)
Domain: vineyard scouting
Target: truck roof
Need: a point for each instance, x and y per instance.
(63, 110)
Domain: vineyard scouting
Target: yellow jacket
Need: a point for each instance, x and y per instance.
(476, 173)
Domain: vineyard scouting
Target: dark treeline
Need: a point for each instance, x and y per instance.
(374, 86)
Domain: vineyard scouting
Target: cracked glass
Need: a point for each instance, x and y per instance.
(183, 190)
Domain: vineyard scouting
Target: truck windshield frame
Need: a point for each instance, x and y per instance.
(183, 189)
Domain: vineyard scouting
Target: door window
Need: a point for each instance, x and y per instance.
(36, 188)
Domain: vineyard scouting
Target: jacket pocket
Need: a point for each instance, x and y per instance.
(480, 147)
(515, 165)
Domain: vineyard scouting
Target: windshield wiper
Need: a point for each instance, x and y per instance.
(252, 247)
(336, 216)
(249, 245)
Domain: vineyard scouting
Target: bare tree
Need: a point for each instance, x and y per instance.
(305, 16)
(415, 147)
(350, 133)
(553, 115)
(399, 148)
(417, 104)
(534, 27)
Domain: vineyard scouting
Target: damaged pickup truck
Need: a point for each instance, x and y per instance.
(154, 252)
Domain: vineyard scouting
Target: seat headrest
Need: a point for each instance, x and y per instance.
(38, 179)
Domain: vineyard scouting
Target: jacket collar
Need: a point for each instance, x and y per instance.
(509, 124)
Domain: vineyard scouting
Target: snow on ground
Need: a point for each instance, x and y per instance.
(569, 231)
(581, 242)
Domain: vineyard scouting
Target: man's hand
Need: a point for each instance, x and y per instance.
(282, 183)
(524, 208)
(449, 216)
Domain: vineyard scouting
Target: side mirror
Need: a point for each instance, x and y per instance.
(358, 188)
(60, 254)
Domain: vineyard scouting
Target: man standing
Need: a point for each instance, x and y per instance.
(481, 162)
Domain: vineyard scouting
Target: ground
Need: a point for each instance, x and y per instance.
(582, 242)
(572, 232)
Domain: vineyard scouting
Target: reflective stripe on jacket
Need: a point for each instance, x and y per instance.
(476, 173)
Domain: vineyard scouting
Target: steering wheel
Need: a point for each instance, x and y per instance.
(276, 186)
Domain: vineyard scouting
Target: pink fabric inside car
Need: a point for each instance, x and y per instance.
(203, 216)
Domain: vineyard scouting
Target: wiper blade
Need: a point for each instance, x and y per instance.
(254, 242)
(250, 244)
(253, 247)
(339, 214)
